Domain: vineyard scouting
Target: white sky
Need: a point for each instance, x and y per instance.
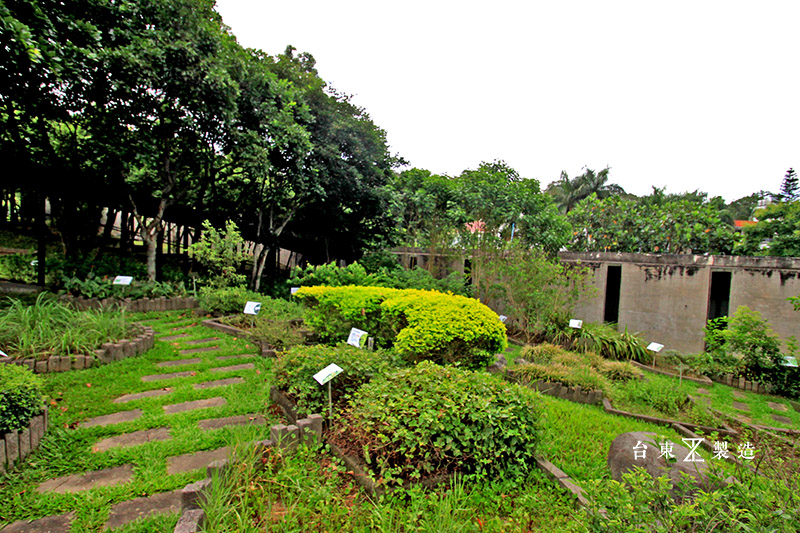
(684, 94)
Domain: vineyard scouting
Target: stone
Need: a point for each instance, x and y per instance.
(79, 362)
(498, 365)
(88, 480)
(139, 395)
(48, 524)
(218, 383)
(64, 363)
(40, 367)
(113, 418)
(37, 430)
(229, 357)
(12, 448)
(778, 406)
(782, 419)
(239, 420)
(199, 350)
(127, 349)
(741, 406)
(702, 391)
(201, 341)
(194, 461)
(621, 459)
(52, 363)
(193, 493)
(191, 521)
(156, 377)
(2, 456)
(195, 404)
(246, 366)
(174, 337)
(179, 362)
(128, 511)
(739, 395)
(24, 443)
(135, 438)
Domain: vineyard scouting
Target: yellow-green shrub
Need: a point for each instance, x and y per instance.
(421, 325)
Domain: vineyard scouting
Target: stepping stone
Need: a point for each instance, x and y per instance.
(702, 391)
(782, 419)
(48, 524)
(179, 362)
(173, 337)
(195, 404)
(240, 356)
(195, 460)
(218, 383)
(113, 418)
(200, 350)
(741, 406)
(132, 439)
(139, 395)
(128, 511)
(88, 480)
(739, 395)
(777, 406)
(156, 377)
(246, 366)
(240, 420)
(201, 341)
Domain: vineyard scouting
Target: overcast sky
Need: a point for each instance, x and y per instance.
(688, 95)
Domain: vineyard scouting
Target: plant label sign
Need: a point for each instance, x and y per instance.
(355, 337)
(788, 360)
(122, 280)
(3, 354)
(294, 289)
(328, 373)
(575, 323)
(655, 347)
(252, 308)
(503, 318)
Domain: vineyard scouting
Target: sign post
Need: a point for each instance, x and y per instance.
(655, 348)
(325, 376)
(355, 337)
(252, 308)
(575, 323)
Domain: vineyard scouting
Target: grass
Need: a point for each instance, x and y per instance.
(79, 395)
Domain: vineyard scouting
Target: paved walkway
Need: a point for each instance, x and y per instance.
(165, 502)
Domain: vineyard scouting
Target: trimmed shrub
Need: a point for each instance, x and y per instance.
(20, 397)
(421, 325)
(582, 376)
(295, 368)
(227, 300)
(429, 420)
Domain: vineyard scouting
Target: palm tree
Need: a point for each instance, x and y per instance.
(568, 192)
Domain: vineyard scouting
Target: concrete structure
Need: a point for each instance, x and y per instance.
(668, 298)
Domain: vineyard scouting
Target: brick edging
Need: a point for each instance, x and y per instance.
(701, 380)
(140, 305)
(107, 353)
(559, 390)
(267, 350)
(15, 446)
(742, 383)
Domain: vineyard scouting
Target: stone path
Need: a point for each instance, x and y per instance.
(139, 395)
(157, 377)
(195, 460)
(48, 524)
(217, 383)
(240, 420)
(201, 341)
(739, 395)
(246, 366)
(741, 406)
(88, 480)
(128, 511)
(179, 362)
(132, 439)
(200, 350)
(777, 406)
(173, 337)
(229, 357)
(195, 404)
(782, 419)
(113, 418)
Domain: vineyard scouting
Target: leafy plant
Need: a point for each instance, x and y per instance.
(277, 323)
(220, 253)
(227, 300)
(665, 396)
(428, 420)
(20, 397)
(94, 286)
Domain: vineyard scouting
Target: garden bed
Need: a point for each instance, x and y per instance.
(15, 446)
(140, 305)
(703, 380)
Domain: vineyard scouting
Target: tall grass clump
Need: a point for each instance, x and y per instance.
(48, 327)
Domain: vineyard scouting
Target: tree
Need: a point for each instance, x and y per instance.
(568, 192)
(777, 232)
(790, 188)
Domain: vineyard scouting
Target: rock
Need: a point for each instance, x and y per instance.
(520, 361)
(498, 365)
(621, 459)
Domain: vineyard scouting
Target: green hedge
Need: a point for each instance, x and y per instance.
(20, 397)
(428, 420)
(421, 325)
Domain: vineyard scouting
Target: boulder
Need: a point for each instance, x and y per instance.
(498, 365)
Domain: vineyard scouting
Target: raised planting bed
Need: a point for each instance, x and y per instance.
(15, 446)
(703, 380)
(267, 350)
(140, 305)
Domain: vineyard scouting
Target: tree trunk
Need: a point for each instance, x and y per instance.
(41, 254)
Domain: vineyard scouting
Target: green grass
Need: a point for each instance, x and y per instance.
(79, 395)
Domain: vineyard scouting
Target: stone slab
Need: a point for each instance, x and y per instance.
(178, 362)
(191, 521)
(88, 480)
(48, 524)
(702, 391)
(229, 357)
(132, 439)
(128, 511)
(194, 461)
(782, 419)
(218, 383)
(139, 395)
(239, 420)
(173, 375)
(741, 406)
(246, 366)
(200, 350)
(739, 395)
(201, 341)
(195, 404)
(113, 418)
(778, 406)
(173, 337)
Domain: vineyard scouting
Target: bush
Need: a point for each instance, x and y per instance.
(578, 376)
(663, 395)
(20, 397)
(429, 420)
(421, 325)
(603, 339)
(541, 354)
(277, 324)
(220, 253)
(227, 300)
(103, 287)
(295, 368)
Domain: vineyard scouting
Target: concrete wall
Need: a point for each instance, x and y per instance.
(666, 297)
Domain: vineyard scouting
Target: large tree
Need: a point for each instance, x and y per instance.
(568, 192)
(790, 189)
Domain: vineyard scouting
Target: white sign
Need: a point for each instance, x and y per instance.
(122, 280)
(35, 262)
(655, 347)
(252, 308)
(503, 318)
(295, 289)
(355, 337)
(575, 323)
(788, 360)
(3, 353)
(327, 373)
